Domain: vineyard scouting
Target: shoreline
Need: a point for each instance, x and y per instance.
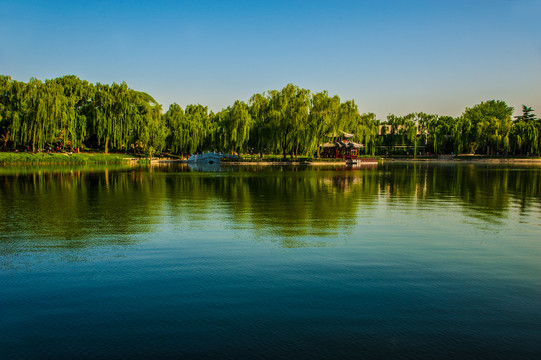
(120, 159)
(536, 160)
(343, 163)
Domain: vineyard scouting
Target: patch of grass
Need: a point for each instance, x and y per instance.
(7, 158)
(143, 161)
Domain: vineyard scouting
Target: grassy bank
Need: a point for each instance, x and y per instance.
(12, 158)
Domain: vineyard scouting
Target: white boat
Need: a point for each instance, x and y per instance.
(208, 158)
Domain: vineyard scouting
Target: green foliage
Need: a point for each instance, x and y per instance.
(322, 119)
(72, 114)
(150, 151)
(196, 127)
(67, 112)
(525, 133)
(234, 126)
(288, 114)
(487, 126)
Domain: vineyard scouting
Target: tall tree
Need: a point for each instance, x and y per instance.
(174, 120)
(488, 125)
(525, 133)
(288, 109)
(323, 114)
(235, 124)
(262, 134)
(527, 114)
(197, 118)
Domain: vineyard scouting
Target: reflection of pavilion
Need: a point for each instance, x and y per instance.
(342, 183)
(343, 149)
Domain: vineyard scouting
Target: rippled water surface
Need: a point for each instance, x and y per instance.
(406, 260)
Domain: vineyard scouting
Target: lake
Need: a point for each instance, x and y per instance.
(400, 260)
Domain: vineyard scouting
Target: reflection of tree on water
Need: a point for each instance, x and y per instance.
(295, 208)
(75, 209)
(484, 191)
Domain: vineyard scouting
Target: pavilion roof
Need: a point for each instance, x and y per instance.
(343, 145)
(344, 135)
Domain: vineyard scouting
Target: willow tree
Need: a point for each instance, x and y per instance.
(494, 134)
(195, 127)
(323, 114)
(369, 127)
(525, 132)
(49, 113)
(288, 109)
(424, 123)
(298, 111)
(7, 108)
(148, 126)
(235, 124)
(347, 119)
(456, 135)
(187, 129)
(16, 113)
(411, 134)
(174, 120)
(128, 116)
(78, 95)
(121, 116)
(391, 138)
(102, 121)
(114, 116)
(44, 109)
(487, 125)
(262, 133)
(440, 129)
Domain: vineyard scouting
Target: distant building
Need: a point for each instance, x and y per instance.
(387, 129)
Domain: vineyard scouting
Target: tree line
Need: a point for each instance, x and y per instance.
(70, 113)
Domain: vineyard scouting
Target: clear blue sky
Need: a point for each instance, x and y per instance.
(391, 56)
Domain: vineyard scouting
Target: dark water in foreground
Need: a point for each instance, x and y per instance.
(396, 261)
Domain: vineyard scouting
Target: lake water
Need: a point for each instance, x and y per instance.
(411, 260)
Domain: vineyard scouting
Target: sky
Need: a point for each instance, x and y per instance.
(390, 56)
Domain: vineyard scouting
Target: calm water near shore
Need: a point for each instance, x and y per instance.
(397, 260)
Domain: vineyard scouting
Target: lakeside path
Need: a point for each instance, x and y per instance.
(313, 163)
(115, 158)
(473, 160)
(526, 161)
(443, 159)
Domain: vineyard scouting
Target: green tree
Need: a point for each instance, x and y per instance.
(174, 119)
(323, 114)
(287, 110)
(195, 126)
(525, 131)
(527, 114)
(370, 129)
(263, 134)
(487, 125)
(235, 124)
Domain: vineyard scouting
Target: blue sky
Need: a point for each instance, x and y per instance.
(390, 56)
